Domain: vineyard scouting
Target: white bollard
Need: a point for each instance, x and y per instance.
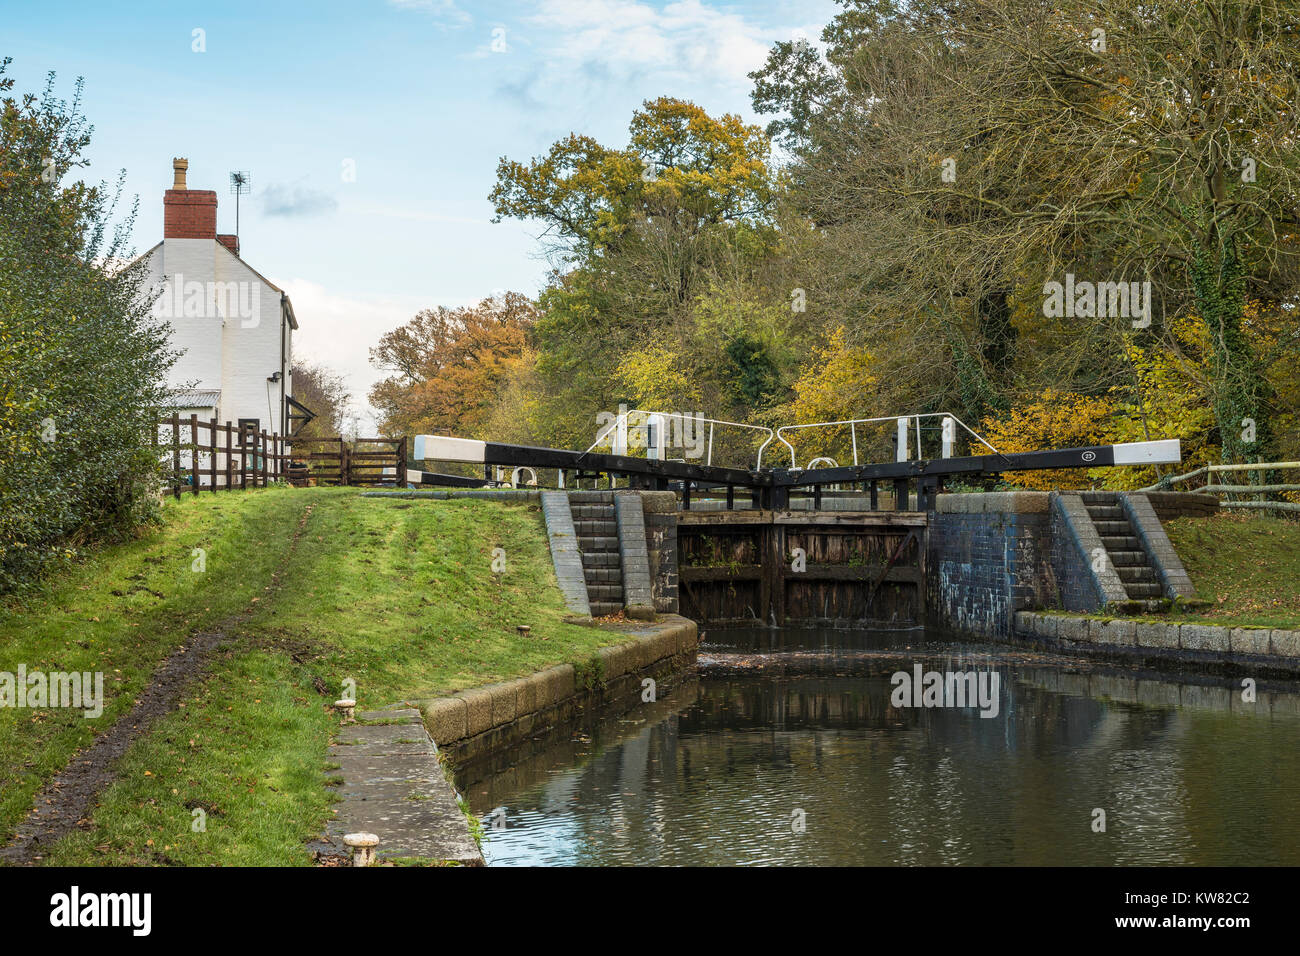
(362, 847)
(656, 438)
(949, 435)
(902, 440)
(620, 432)
(347, 707)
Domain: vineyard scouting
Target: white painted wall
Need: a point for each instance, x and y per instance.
(233, 349)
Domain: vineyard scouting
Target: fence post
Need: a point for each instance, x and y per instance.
(194, 453)
(230, 462)
(345, 464)
(176, 456)
(212, 452)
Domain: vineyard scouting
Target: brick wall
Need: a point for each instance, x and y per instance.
(661, 544)
(984, 566)
(1169, 505)
(190, 214)
(1075, 586)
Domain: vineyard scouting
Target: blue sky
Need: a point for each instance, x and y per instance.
(422, 96)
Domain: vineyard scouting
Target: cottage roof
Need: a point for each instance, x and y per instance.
(193, 398)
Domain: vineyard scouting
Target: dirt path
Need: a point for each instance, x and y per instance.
(67, 800)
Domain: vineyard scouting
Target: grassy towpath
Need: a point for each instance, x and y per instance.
(399, 596)
(1245, 567)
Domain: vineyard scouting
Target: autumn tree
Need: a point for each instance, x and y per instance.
(326, 393)
(447, 366)
(640, 236)
(963, 154)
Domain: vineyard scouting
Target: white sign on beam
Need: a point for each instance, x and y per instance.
(444, 448)
(1167, 452)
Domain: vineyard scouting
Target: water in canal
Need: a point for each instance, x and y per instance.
(804, 748)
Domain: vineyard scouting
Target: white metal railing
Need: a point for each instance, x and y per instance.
(1209, 471)
(904, 423)
(657, 427)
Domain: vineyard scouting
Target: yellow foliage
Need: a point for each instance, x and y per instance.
(1053, 420)
(659, 380)
(838, 385)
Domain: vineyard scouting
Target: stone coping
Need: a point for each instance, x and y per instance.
(1003, 502)
(390, 783)
(490, 494)
(1276, 646)
(481, 710)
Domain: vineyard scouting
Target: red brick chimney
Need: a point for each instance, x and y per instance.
(188, 213)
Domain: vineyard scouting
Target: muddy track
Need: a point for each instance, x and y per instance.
(67, 800)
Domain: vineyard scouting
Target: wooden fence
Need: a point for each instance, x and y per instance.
(205, 455)
(1251, 491)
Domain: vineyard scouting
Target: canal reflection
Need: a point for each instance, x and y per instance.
(787, 749)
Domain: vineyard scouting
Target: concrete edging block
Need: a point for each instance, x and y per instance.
(1072, 629)
(1116, 632)
(1284, 643)
(541, 690)
(478, 703)
(1204, 637)
(525, 696)
(446, 718)
(1249, 640)
(615, 659)
(562, 681)
(514, 708)
(504, 698)
(688, 638)
(1156, 635)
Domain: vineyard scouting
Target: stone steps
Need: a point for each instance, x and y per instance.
(1124, 549)
(595, 527)
(597, 530)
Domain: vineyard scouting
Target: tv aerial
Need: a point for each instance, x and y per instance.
(241, 181)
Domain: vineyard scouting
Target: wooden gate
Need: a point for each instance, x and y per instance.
(811, 568)
(331, 461)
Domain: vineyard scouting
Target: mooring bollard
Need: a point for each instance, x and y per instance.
(362, 847)
(347, 706)
(523, 630)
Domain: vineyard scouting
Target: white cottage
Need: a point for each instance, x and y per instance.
(234, 327)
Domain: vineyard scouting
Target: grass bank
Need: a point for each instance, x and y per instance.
(1245, 568)
(399, 596)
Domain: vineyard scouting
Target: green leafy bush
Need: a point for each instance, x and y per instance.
(82, 359)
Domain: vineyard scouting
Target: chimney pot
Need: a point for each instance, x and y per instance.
(189, 213)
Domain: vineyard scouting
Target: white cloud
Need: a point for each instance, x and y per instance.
(628, 38)
(338, 332)
(296, 200)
